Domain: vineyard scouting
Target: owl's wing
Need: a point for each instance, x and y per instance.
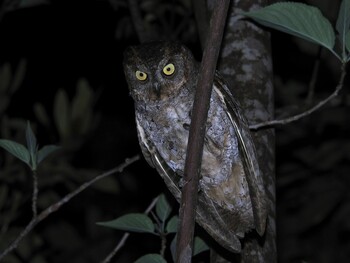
(209, 215)
(154, 159)
(247, 150)
(144, 144)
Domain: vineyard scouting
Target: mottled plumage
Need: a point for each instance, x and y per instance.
(162, 77)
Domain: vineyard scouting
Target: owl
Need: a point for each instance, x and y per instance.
(162, 78)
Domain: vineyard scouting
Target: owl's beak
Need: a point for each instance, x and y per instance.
(156, 87)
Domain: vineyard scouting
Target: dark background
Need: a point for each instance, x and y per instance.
(70, 53)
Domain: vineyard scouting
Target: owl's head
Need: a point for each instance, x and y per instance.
(159, 70)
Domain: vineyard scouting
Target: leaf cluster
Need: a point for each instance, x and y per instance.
(30, 155)
(160, 224)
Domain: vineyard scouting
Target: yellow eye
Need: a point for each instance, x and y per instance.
(141, 75)
(169, 69)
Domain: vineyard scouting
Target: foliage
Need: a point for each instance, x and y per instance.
(16, 187)
(162, 225)
(151, 258)
(290, 18)
(30, 155)
(131, 222)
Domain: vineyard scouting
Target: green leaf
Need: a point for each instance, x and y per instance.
(343, 23)
(151, 258)
(45, 151)
(199, 246)
(16, 149)
(297, 19)
(347, 41)
(32, 146)
(163, 208)
(131, 222)
(31, 140)
(171, 227)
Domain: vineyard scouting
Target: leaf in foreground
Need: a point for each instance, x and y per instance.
(347, 41)
(134, 222)
(199, 246)
(163, 208)
(151, 258)
(45, 151)
(171, 227)
(16, 149)
(297, 19)
(31, 140)
(343, 23)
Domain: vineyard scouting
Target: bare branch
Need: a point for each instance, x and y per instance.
(305, 113)
(197, 132)
(53, 208)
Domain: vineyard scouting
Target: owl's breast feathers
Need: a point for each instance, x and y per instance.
(232, 198)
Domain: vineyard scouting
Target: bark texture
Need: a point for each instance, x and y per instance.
(245, 62)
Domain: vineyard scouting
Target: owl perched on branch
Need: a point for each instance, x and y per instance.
(162, 78)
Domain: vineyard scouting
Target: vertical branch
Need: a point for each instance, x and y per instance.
(246, 64)
(197, 131)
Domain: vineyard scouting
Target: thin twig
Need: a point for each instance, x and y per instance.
(305, 113)
(184, 244)
(35, 195)
(67, 198)
(163, 244)
(126, 235)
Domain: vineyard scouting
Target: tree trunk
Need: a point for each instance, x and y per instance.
(245, 62)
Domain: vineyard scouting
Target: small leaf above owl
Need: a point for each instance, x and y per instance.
(162, 78)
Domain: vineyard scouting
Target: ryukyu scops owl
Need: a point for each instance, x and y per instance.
(162, 78)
